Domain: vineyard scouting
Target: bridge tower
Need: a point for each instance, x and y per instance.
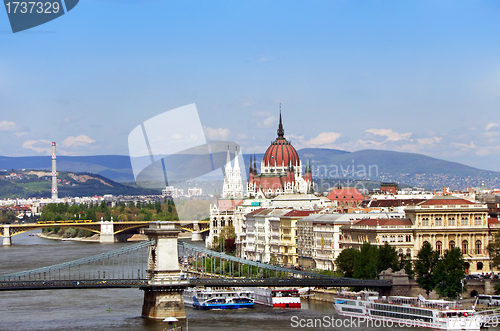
(7, 240)
(163, 296)
(196, 232)
(107, 234)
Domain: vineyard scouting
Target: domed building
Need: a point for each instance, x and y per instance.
(280, 171)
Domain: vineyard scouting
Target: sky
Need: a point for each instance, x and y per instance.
(409, 76)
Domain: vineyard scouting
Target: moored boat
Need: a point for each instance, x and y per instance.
(408, 311)
(218, 298)
(277, 297)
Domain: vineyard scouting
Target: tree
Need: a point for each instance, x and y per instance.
(367, 264)
(388, 258)
(406, 264)
(494, 249)
(346, 261)
(450, 273)
(425, 265)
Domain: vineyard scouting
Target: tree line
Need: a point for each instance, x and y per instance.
(444, 273)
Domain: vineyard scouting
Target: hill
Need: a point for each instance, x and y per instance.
(34, 183)
(408, 169)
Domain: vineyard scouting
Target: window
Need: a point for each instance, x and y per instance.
(408, 252)
(384, 239)
(479, 247)
(439, 221)
(477, 220)
(400, 238)
(408, 238)
(465, 247)
(465, 221)
(480, 266)
(451, 221)
(400, 251)
(393, 239)
(439, 247)
(451, 244)
(425, 221)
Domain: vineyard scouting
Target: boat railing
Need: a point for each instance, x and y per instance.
(489, 312)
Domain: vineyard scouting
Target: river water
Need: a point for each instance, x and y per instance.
(120, 309)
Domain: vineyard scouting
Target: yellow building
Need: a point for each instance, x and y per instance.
(288, 255)
(446, 222)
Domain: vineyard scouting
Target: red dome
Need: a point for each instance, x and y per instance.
(281, 152)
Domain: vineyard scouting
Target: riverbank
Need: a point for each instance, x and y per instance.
(94, 238)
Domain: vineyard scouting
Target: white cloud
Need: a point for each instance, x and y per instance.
(369, 143)
(39, 146)
(491, 125)
(8, 126)
(391, 135)
(294, 136)
(429, 140)
(81, 140)
(244, 102)
(462, 145)
(268, 121)
(324, 138)
(216, 133)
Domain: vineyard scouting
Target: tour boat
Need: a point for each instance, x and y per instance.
(277, 297)
(217, 298)
(407, 311)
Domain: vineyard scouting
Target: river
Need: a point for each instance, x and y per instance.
(120, 309)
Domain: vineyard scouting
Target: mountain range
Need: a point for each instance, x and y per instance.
(408, 169)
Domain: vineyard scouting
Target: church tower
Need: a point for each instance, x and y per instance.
(233, 185)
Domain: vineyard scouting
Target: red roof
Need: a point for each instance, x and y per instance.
(394, 202)
(384, 221)
(447, 201)
(302, 213)
(226, 204)
(493, 221)
(256, 211)
(346, 194)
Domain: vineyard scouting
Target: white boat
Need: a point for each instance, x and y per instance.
(408, 311)
(217, 298)
(277, 297)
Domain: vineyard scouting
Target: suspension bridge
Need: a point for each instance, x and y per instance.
(163, 266)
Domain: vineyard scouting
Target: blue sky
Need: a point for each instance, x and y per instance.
(410, 76)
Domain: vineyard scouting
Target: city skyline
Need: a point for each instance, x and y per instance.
(418, 76)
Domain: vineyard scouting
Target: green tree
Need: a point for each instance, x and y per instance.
(494, 249)
(450, 273)
(346, 261)
(388, 258)
(367, 264)
(425, 265)
(406, 264)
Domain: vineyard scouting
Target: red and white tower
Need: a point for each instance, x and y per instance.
(54, 172)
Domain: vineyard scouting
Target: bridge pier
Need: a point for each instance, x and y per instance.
(7, 240)
(163, 296)
(196, 232)
(107, 234)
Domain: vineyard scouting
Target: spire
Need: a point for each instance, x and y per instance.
(281, 132)
(255, 165)
(228, 162)
(236, 163)
(250, 171)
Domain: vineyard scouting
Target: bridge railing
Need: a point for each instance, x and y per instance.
(128, 262)
(276, 269)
